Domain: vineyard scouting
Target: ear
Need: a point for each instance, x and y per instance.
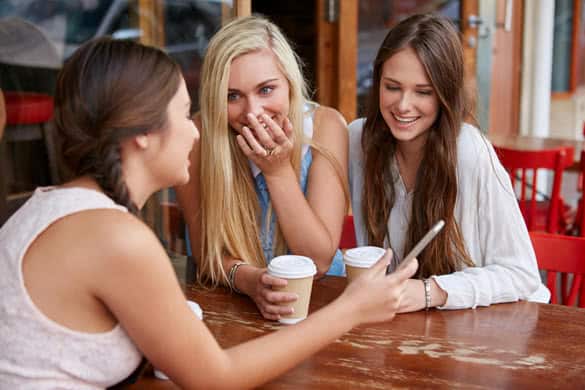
(141, 141)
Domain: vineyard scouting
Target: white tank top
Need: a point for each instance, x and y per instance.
(35, 351)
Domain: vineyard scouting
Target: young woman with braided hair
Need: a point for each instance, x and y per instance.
(86, 288)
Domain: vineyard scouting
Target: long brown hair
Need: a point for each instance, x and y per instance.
(110, 90)
(438, 47)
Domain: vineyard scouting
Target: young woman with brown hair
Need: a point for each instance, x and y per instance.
(414, 161)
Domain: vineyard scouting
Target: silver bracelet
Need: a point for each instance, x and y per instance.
(232, 277)
(427, 284)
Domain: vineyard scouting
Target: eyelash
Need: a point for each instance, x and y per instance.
(263, 91)
(392, 89)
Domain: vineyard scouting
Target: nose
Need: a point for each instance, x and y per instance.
(255, 106)
(405, 102)
(195, 132)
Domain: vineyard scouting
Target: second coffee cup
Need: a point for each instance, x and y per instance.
(299, 272)
(357, 260)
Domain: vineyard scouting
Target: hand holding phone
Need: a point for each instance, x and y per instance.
(418, 248)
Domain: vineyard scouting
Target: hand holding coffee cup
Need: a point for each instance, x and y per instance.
(376, 295)
(270, 296)
(358, 260)
(299, 272)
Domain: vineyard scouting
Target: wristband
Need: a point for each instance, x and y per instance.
(232, 277)
(427, 284)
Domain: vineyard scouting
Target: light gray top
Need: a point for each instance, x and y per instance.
(488, 215)
(35, 351)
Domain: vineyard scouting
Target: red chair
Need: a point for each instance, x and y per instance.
(580, 215)
(523, 166)
(348, 240)
(556, 253)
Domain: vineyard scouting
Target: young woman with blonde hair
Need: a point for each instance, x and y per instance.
(86, 288)
(414, 161)
(270, 175)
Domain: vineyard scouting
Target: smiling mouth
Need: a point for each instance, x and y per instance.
(404, 120)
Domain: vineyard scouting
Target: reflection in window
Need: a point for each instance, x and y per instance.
(375, 18)
(562, 42)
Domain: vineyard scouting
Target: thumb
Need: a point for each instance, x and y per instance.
(406, 270)
(383, 262)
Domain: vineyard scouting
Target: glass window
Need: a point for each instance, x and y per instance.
(562, 46)
(61, 26)
(375, 18)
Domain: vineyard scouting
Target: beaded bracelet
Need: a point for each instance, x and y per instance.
(232, 277)
(427, 283)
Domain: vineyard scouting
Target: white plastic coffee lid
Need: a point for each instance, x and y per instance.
(292, 267)
(363, 257)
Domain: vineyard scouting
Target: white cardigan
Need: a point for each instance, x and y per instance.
(488, 215)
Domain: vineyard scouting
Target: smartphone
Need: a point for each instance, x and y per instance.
(418, 248)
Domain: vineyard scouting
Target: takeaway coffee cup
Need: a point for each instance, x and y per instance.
(357, 260)
(299, 272)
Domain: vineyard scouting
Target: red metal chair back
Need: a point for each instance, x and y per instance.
(523, 167)
(348, 240)
(556, 253)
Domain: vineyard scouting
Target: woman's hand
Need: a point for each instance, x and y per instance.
(267, 143)
(269, 301)
(377, 296)
(414, 296)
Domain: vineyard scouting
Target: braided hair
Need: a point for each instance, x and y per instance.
(108, 91)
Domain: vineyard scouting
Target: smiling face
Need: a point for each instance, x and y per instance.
(408, 102)
(256, 85)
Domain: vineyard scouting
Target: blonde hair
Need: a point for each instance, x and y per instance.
(229, 204)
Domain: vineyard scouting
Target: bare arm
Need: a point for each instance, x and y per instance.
(312, 226)
(137, 280)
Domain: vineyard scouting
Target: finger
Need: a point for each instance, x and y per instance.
(269, 316)
(277, 132)
(278, 310)
(257, 149)
(280, 297)
(406, 271)
(265, 134)
(244, 145)
(288, 128)
(382, 263)
(270, 280)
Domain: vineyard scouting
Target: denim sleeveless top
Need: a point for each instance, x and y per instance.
(267, 229)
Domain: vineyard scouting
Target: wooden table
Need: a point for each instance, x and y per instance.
(523, 142)
(516, 345)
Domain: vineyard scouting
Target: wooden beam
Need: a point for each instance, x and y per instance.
(151, 20)
(242, 8)
(326, 69)
(347, 30)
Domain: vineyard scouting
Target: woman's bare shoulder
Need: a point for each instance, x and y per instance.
(329, 123)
